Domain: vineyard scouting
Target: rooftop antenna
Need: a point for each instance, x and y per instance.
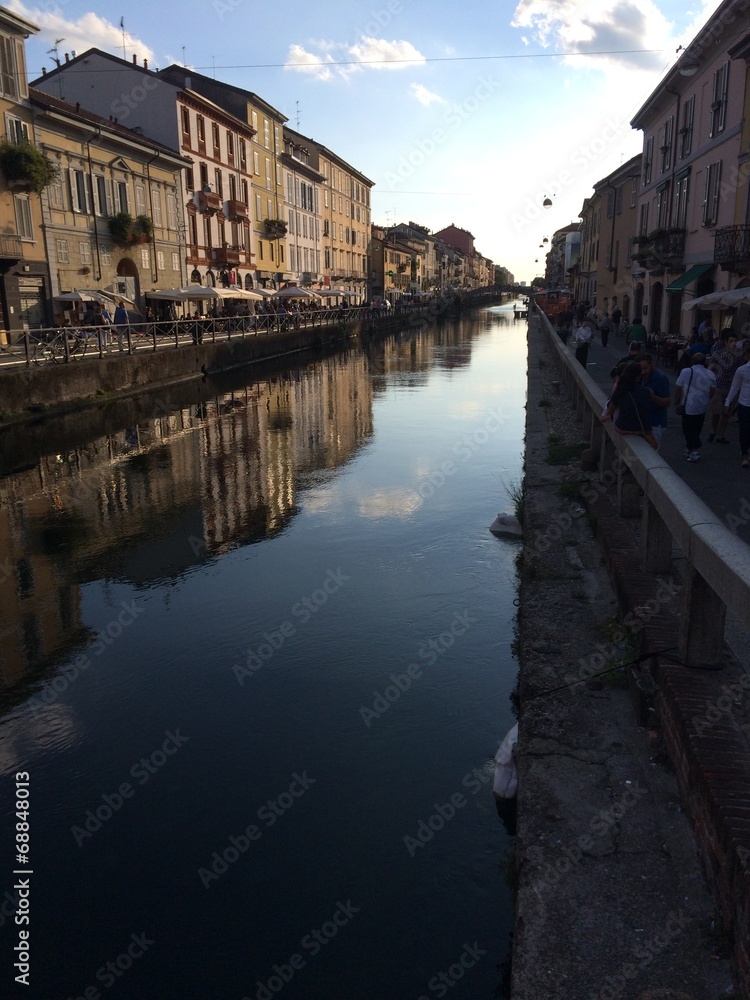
(213, 63)
(58, 41)
(122, 28)
(183, 55)
(297, 106)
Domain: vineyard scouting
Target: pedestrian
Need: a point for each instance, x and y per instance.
(629, 407)
(604, 327)
(122, 322)
(634, 352)
(616, 320)
(102, 320)
(660, 391)
(582, 341)
(698, 384)
(724, 361)
(637, 332)
(739, 392)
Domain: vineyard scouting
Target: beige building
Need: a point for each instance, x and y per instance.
(618, 197)
(24, 274)
(112, 218)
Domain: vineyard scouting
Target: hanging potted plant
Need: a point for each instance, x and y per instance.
(26, 166)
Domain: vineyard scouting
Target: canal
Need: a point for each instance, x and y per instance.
(256, 660)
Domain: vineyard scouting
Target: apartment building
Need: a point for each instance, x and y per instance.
(24, 274)
(618, 199)
(303, 188)
(693, 204)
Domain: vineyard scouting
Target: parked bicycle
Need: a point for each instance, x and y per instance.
(60, 347)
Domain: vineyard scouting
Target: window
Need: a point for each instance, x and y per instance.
(292, 259)
(243, 155)
(175, 262)
(189, 179)
(244, 193)
(84, 250)
(666, 146)
(682, 187)
(102, 196)
(711, 194)
(232, 188)
(610, 203)
(256, 163)
(718, 116)
(121, 196)
(266, 134)
(269, 209)
(171, 210)
(106, 255)
(291, 222)
(15, 129)
(276, 142)
(200, 127)
(216, 140)
(662, 205)
(62, 252)
(278, 174)
(260, 249)
(230, 148)
(160, 266)
(648, 159)
(254, 119)
(145, 257)
(327, 257)
(12, 68)
(185, 114)
(219, 183)
(258, 207)
(156, 207)
(56, 195)
(347, 234)
(203, 172)
(140, 199)
(643, 221)
(24, 225)
(686, 129)
(78, 199)
(633, 192)
(268, 172)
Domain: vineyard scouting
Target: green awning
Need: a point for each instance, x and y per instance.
(689, 276)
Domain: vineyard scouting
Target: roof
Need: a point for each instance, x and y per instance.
(41, 99)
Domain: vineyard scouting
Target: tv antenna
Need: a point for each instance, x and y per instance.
(58, 41)
(296, 104)
(122, 28)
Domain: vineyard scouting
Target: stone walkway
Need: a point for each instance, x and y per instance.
(612, 898)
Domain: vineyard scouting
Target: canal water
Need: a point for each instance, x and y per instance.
(256, 660)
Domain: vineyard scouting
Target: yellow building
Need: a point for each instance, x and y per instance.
(24, 275)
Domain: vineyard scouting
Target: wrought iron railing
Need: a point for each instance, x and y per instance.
(732, 244)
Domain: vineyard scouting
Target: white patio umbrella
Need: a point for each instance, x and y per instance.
(294, 292)
(720, 300)
(79, 295)
(240, 293)
(193, 293)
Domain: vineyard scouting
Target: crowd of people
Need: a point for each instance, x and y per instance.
(713, 381)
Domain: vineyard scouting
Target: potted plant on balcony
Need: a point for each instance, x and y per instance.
(274, 228)
(127, 231)
(26, 166)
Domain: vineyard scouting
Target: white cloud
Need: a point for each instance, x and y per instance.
(302, 61)
(88, 31)
(425, 96)
(581, 26)
(369, 53)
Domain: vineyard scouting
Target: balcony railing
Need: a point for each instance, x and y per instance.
(225, 256)
(732, 245)
(236, 210)
(208, 202)
(663, 249)
(11, 248)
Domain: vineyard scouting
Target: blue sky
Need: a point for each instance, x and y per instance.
(464, 113)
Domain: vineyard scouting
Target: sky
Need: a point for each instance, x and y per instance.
(467, 113)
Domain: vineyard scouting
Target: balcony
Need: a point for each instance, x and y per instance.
(225, 256)
(732, 247)
(663, 249)
(11, 248)
(208, 202)
(236, 210)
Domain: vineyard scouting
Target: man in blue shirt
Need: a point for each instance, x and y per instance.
(661, 394)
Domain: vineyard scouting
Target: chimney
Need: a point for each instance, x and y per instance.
(145, 63)
(67, 57)
(135, 59)
(78, 106)
(44, 70)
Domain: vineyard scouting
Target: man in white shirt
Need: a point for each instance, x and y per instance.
(740, 391)
(582, 341)
(698, 385)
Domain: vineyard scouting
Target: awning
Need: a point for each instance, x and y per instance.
(692, 274)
